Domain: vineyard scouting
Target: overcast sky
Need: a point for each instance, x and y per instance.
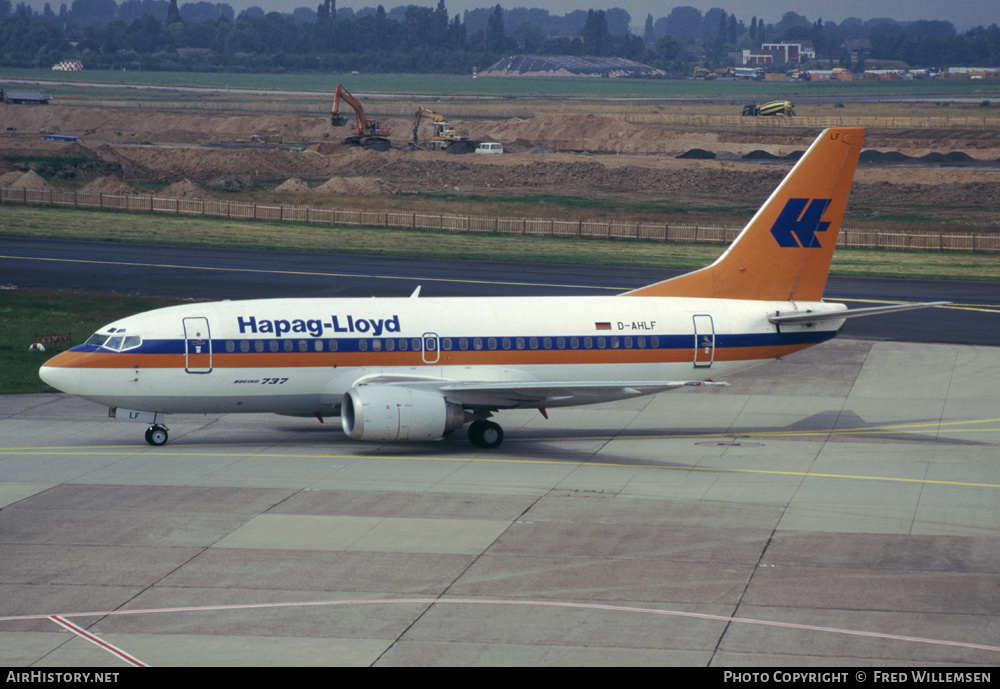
(964, 14)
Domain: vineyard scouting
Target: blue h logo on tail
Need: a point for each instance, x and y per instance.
(799, 222)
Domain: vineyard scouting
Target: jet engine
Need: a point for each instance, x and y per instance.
(387, 412)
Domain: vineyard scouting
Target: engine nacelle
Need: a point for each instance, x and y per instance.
(387, 412)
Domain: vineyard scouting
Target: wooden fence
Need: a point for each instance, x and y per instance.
(987, 242)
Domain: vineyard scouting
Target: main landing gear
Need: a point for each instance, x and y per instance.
(156, 435)
(485, 434)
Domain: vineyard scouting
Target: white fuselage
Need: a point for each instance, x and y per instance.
(299, 356)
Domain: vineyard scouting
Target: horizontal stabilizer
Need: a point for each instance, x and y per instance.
(810, 317)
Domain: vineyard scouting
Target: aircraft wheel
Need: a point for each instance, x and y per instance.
(156, 435)
(485, 434)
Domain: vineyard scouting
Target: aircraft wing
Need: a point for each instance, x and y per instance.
(531, 395)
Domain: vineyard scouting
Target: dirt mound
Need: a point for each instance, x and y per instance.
(185, 189)
(959, 157)
(760, 155)
(356, 185)
(698, 154)
(293, 185)
(8, 178)
(111, 185)
(31, 181)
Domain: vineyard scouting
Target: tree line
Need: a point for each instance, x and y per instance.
(206, 36)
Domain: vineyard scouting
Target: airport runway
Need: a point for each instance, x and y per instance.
(838, 507)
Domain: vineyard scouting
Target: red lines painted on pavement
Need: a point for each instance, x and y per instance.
(110, 648)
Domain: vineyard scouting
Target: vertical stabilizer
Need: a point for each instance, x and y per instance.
(784, 252)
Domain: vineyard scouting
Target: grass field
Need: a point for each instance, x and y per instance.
(533, 88)
(27, 314)
(27, 221)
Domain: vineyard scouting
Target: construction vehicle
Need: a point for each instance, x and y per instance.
(702, 73)
(443, 138)
(778, 107)
(754, 73)
(367, 133)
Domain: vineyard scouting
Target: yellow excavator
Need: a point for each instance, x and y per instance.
(368, 133)
(443, 138)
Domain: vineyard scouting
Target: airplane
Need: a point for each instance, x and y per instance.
(418, 368)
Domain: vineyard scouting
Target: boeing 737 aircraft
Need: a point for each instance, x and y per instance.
(415, 369)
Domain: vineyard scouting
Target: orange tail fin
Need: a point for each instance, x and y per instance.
(784, 252)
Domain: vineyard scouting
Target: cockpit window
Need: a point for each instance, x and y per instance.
(116, 343)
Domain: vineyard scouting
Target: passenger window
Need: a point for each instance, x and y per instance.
(244, 346)
(230, 346)
(272, 345)
(258, 345)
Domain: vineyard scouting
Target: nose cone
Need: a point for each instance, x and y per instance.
(58, 374)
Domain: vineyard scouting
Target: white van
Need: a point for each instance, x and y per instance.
(489, 148)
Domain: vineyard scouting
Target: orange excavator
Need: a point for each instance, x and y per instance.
(368, 133)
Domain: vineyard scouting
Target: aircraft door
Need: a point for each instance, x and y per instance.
(704, 341)
(197, 345)
(430, 346)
